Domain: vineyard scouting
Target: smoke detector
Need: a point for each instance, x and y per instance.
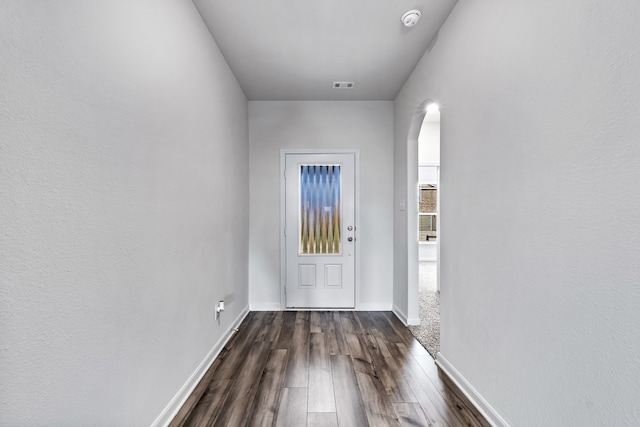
(411, 17)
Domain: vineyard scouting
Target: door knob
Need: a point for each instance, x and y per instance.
(350, 239)
(349, 228)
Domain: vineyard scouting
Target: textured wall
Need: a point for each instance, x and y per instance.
(366, 125)
(539, 281)
(123, 208)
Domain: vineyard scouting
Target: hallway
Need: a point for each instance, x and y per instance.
(141, 180)
(325, 369)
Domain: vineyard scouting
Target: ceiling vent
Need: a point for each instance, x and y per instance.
(343, 85)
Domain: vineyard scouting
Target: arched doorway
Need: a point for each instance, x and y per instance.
(423, 151)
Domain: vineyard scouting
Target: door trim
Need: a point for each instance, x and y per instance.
(283, 257)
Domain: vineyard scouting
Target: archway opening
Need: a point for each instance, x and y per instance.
(423, 262)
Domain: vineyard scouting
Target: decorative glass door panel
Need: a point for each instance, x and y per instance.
(320, 231)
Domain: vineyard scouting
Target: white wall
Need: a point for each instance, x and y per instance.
(367, 126)
(539, 269)
(428, 174)
(121, 130)
(429, 141)
(427, 251)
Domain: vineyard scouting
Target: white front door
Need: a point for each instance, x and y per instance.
(320, 230)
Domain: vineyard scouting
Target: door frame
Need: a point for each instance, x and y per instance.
(283, 191)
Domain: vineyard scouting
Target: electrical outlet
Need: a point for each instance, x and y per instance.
(219, 308)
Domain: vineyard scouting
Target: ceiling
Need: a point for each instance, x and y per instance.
(296, 49)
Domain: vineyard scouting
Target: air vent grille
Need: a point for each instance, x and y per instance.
(343, 85)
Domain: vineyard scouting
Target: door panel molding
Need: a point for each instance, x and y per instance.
(283, 266)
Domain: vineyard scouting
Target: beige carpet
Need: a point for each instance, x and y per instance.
(428, 332)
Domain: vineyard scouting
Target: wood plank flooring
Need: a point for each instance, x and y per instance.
(325, 368)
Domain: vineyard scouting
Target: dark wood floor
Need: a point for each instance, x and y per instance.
(347, 369)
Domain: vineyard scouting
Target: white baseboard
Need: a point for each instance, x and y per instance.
(265, 306)
(407, 321)
(399, 314)
(372, 306)
(185, 391)
(271, 306)
(472, 394)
